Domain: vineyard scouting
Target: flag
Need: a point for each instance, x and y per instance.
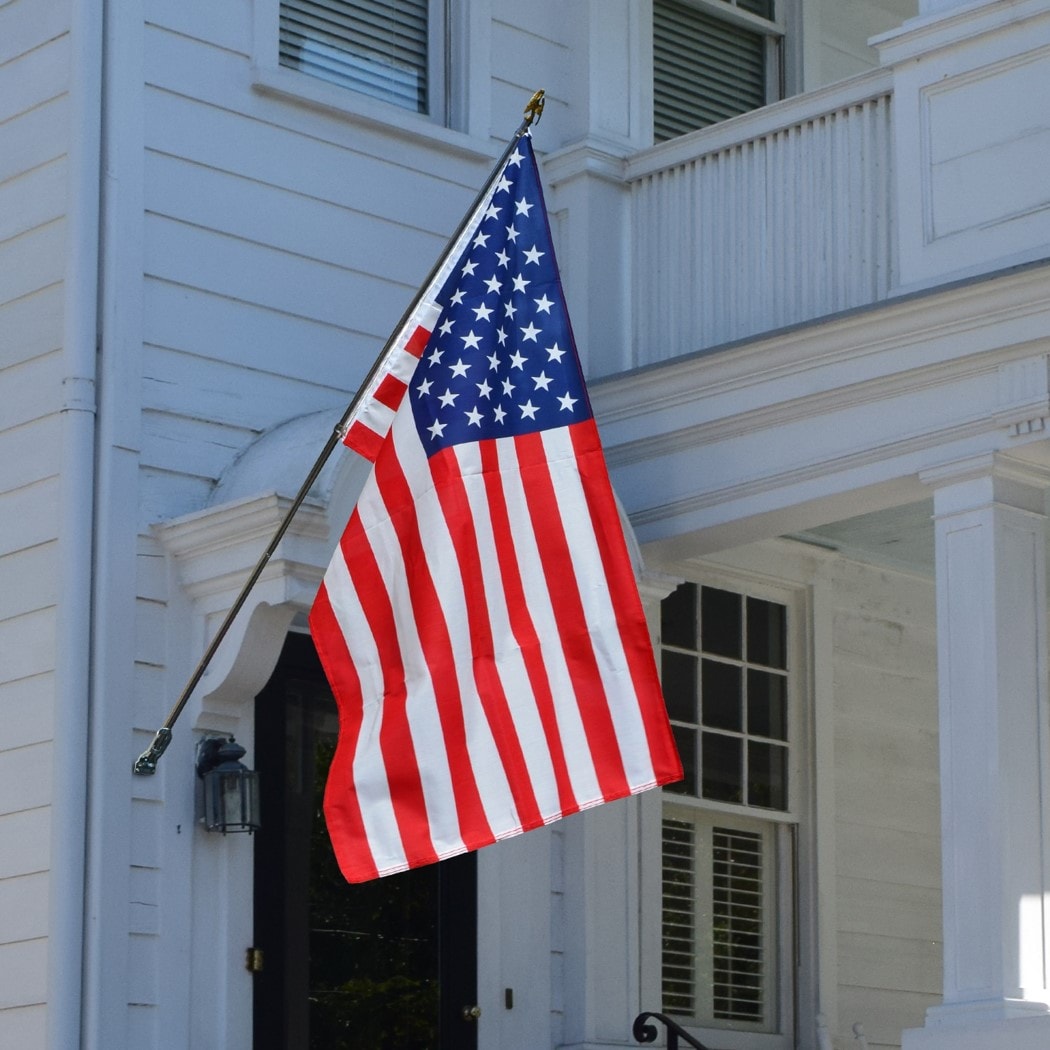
(479, 622)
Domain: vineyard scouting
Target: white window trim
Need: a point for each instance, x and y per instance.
(459, 90)
(795, 828)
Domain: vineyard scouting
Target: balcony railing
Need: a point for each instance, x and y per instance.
(771, 219)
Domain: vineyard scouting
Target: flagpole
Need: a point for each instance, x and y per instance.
(146, 763)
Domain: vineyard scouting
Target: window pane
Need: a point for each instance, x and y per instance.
(678, 617)
(767, 775)
(720, 622)
(678, 677)
(376, 47)
(766, 704)
(722, 765)
(766, 633)
(685, 741)
(705, 69)
(762, 8)
(722, 703)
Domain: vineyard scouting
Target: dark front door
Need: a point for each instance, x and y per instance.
(384, 965)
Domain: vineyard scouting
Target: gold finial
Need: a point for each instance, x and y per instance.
(534, 109)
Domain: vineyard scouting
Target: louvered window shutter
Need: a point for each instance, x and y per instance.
(717, 921)
(378, 48)
(705, 69)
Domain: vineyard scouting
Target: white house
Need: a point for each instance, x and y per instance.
(806, 249)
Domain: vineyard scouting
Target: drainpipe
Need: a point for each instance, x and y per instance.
(75, 529)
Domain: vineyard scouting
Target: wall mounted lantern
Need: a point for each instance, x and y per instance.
(230, 790)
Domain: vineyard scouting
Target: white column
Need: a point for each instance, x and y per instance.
(992, 646)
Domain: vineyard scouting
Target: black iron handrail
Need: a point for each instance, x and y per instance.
(647, 1033)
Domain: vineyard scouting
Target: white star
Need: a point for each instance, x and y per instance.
(435, 356)
(473, 417)
(501, 335)
(436, 429)
(529, 334)
(528, 410)
(502, 186)
(492, 284)
(499, 414)
(515, 159)
(567, 401)
(523, 207)
(469, 268)
(542, 381)
(544, 305)
(492, 212)
(533, 255)
(493, 363)
(446, 326)
(460, 369)
(457, 297)
(520, 283)
(482, 240)
(508, 387)
(424, 388)
(517, 361)
(448, 398)
(470, 341)
(502, 258)
(554, 353)
(512, 234)
(509, 309)
(484, 390)
(482, 312)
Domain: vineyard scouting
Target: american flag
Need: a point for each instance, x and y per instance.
(480, 623)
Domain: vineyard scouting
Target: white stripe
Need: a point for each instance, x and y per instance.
(582, 773)
(510, 664)
(446, 572)
(421, 704)
(369, 772)
(376, 417)
(598, 609)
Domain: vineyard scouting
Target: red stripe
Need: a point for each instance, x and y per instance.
(390, 392)
(417, 341)
(452, 495)
(623, 593)
(429, 617)
(556, 559)
(342, 808)
(522, 624)
(364, 440)
(395, 736)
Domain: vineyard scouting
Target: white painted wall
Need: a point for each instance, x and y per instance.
(887, 829)
(34, 132)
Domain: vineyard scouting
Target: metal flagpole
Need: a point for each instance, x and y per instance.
(146, 763)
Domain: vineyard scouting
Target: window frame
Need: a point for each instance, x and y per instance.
(792, 831)
(457, 87)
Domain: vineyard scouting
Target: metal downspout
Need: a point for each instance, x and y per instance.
(75, 531)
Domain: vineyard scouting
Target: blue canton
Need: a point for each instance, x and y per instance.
(501, 360)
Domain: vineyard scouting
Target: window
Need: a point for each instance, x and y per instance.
(728, 843)
(713, 59)
(391, 50)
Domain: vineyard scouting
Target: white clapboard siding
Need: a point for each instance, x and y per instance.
(236, 335)
(887, 832)
(783, 227)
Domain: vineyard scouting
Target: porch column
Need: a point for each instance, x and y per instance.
(992, 647)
